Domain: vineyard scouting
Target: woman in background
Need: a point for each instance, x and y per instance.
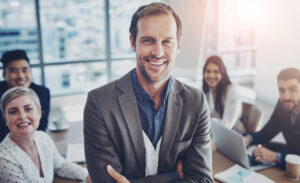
(222, 96)
(27, 155)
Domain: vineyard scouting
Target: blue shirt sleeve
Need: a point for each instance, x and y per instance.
(174, 176)
(250, 137)
(278, 158)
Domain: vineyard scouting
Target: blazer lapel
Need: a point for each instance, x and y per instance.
(129, 108)
(173, 114)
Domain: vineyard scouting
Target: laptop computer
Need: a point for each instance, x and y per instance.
(232, 145)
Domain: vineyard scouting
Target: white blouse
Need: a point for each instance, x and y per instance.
(232, 107)
(17, 166)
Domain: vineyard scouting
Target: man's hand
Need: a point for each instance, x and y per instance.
(263, 154)
(88, 179)
(115, 175)
(247, 141)
(180, 169)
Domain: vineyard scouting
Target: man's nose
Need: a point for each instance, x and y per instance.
(286, 95)
(20, 74)
(157, 50)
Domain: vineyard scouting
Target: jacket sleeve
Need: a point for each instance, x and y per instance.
(45, 104)
(270, 130)
(100, 150)
(197, 162)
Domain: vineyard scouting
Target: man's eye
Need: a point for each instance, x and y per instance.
(147, 41)
(169, 42)
(13, 70)
(12, 112)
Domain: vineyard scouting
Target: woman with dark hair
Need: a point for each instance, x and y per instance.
(222, 96)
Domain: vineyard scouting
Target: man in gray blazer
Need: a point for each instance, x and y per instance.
(147, 126)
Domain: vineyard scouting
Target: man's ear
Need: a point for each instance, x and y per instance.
(178, 47)
(132, 43)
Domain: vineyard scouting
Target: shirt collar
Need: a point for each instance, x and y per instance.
(142, 95)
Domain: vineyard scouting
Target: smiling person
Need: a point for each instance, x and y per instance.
(27, 155)
(17, 72)
(285, 119)
(146, 126)
(222, 96)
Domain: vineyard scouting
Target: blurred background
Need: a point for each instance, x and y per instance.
(77, 45)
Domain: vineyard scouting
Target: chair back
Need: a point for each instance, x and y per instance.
(251, 117)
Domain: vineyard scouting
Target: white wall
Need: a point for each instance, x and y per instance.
(191, 13)
(278, 44)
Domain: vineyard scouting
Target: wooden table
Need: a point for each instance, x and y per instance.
(74, 134)
(220, 163)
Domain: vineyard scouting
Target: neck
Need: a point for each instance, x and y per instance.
(26, 143)
(154, 89)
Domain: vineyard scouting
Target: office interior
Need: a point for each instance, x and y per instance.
(75, 45)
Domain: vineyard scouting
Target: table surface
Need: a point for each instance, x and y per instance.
(220, 163)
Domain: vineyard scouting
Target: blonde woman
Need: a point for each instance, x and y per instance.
(27, 155)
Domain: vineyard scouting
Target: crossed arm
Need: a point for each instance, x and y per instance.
(100, 151)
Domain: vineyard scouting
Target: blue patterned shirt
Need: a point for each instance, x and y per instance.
(152, 119)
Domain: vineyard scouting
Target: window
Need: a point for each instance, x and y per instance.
(18, 28)
(70, 48)
(121, 12)
(75, 78)
(72, 30)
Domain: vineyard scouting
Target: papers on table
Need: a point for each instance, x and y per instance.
(75, 153)
(238, 174)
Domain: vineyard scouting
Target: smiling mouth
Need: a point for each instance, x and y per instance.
(21, 82)
(157, 63)
(22, 125)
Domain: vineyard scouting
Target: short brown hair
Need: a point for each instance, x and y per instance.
(153, 9)
(289, 73)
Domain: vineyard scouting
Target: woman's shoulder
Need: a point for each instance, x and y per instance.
(232, 92)
(42, 136)
(232, 88)
(8, 149)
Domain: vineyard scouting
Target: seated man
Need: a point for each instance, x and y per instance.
(285, 119)
(17, 72)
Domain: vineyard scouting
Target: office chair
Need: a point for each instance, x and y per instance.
(251, 117)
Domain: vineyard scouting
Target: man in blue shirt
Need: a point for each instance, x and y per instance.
(17, 72)
(285, 119)
(147, 126)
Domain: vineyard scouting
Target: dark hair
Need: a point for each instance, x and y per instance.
(13, 55)
(223, 84)
(153, 9)
(289, 73)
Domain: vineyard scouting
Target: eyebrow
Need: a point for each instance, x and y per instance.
(13, 68)
(149, 37)
(27, 105)
(293, 87)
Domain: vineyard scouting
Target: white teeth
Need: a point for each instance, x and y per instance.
(23, 124)
(156, 63)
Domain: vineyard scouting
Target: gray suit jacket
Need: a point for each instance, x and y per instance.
(113, 134)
